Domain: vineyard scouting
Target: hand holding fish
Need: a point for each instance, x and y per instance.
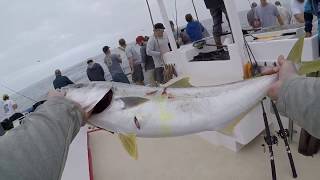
(55, 93)
(285, 69)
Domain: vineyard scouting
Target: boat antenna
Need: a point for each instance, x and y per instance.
(195, 10)
(16, 92)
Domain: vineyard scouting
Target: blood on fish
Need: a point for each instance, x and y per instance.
(151, 93)
(136, 122)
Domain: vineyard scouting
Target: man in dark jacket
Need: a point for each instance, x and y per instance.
(61, 81)
(216, 8)
(95, 71)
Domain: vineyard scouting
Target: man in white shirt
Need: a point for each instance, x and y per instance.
(157, 46)
(297, 9)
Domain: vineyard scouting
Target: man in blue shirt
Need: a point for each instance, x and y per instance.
(194, 29)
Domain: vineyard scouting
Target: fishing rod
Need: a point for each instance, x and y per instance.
(284, 134)
(195, 10)
(16, 92)
(270, 141)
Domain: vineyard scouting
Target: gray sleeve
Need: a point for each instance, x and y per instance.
(151, 48)
(299, 99)
(38, 148)
(275, 11)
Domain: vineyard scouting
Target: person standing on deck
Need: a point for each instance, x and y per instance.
(312, 7)
(268, 14)
(216, 8)
(284, 13)
(134, 62)
(9, 106)
(252, 16)
(146, 60)
(95, 71)
(297, 9)
(61, 81)
(113, 62)
(157, 46)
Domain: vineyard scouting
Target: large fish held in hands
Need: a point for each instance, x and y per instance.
(176, 110)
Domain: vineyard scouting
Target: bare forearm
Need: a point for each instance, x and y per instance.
(299, 18)
(280, 20)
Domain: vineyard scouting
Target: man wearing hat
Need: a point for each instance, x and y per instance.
(157, 46)
(147, 61)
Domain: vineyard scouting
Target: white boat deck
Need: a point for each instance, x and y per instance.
(191, 157)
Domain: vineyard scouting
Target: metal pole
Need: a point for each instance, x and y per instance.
(236, 28)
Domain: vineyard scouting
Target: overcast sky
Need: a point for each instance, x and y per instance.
(38, 36)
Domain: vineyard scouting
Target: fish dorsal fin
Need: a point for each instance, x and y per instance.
(295, 54)
(182, 83)
(130, 102)
(130, 144)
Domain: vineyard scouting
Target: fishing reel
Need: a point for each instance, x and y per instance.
(283, 133)
(273, 140)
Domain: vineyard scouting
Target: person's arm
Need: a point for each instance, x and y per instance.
(308, 18)
(280, 20)
(38, 148)
(277, 14)
(299, 99)
(101, 69)
(89, 76)
(68, 80)
(151, 48)
(143, 54)
(130, 57)
(299, 18)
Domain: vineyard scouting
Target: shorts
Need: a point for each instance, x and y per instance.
(158, 75)
(137, 75)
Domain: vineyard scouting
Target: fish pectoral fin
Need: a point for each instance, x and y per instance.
(130, 145)
(229, 128)
(182, 83)
(130, 102)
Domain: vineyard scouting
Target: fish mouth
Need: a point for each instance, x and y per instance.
(104, 103)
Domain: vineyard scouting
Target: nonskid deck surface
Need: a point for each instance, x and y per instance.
(190, 157)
